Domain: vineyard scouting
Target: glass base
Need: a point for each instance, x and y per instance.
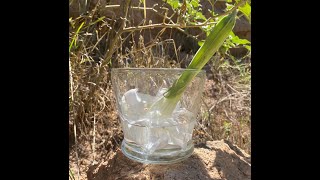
(162, 156)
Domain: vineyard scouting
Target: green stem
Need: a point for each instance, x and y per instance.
(217, 36)
(213, 42)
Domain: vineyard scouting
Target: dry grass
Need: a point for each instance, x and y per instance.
(226, 109)
(94, 128)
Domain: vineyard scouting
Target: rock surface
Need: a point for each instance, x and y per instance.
(214, 160)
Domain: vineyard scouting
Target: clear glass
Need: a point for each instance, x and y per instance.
(150, 137)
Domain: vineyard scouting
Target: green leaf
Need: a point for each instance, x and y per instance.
(235, 39)
(238, 41)
(194, 3)
(98, 20)
(208, 29)
(210, 46)
(211, 11)
(229, 6)
(247, 47)
(246, 10)
(200, 43)
(173, 3)
(232, 34)
(212, 43)
(199, 15)
(223, 49)
(71, 22)
(190, 9)
(74, 37)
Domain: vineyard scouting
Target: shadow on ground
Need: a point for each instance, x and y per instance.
(213, 161)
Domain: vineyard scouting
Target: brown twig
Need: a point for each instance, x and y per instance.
(172, 24)
(71, 81)
(113, 43)
(112, 46)
(165, 17)
(94, 138)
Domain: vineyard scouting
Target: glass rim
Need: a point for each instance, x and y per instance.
(157, 69)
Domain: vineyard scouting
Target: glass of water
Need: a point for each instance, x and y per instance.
(149, 136)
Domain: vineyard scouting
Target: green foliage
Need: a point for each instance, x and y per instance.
(173, 3)
(200, 43)
(246, 10)
(234, 41)
(74, 39)
(194, 16)
(248, 47)
(194, 3)
(213, 42)
(80, 30)
(229, 6)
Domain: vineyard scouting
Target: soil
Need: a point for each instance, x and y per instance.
(213, 160)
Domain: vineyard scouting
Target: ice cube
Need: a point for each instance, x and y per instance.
(134, 105)
(161, 92)
(157, 120)
(182, 133)
(131, 98)
(150, 129)
(182, 115)
(135, 133)
(157, 139)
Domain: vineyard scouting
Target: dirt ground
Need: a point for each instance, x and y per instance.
(214, 160)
